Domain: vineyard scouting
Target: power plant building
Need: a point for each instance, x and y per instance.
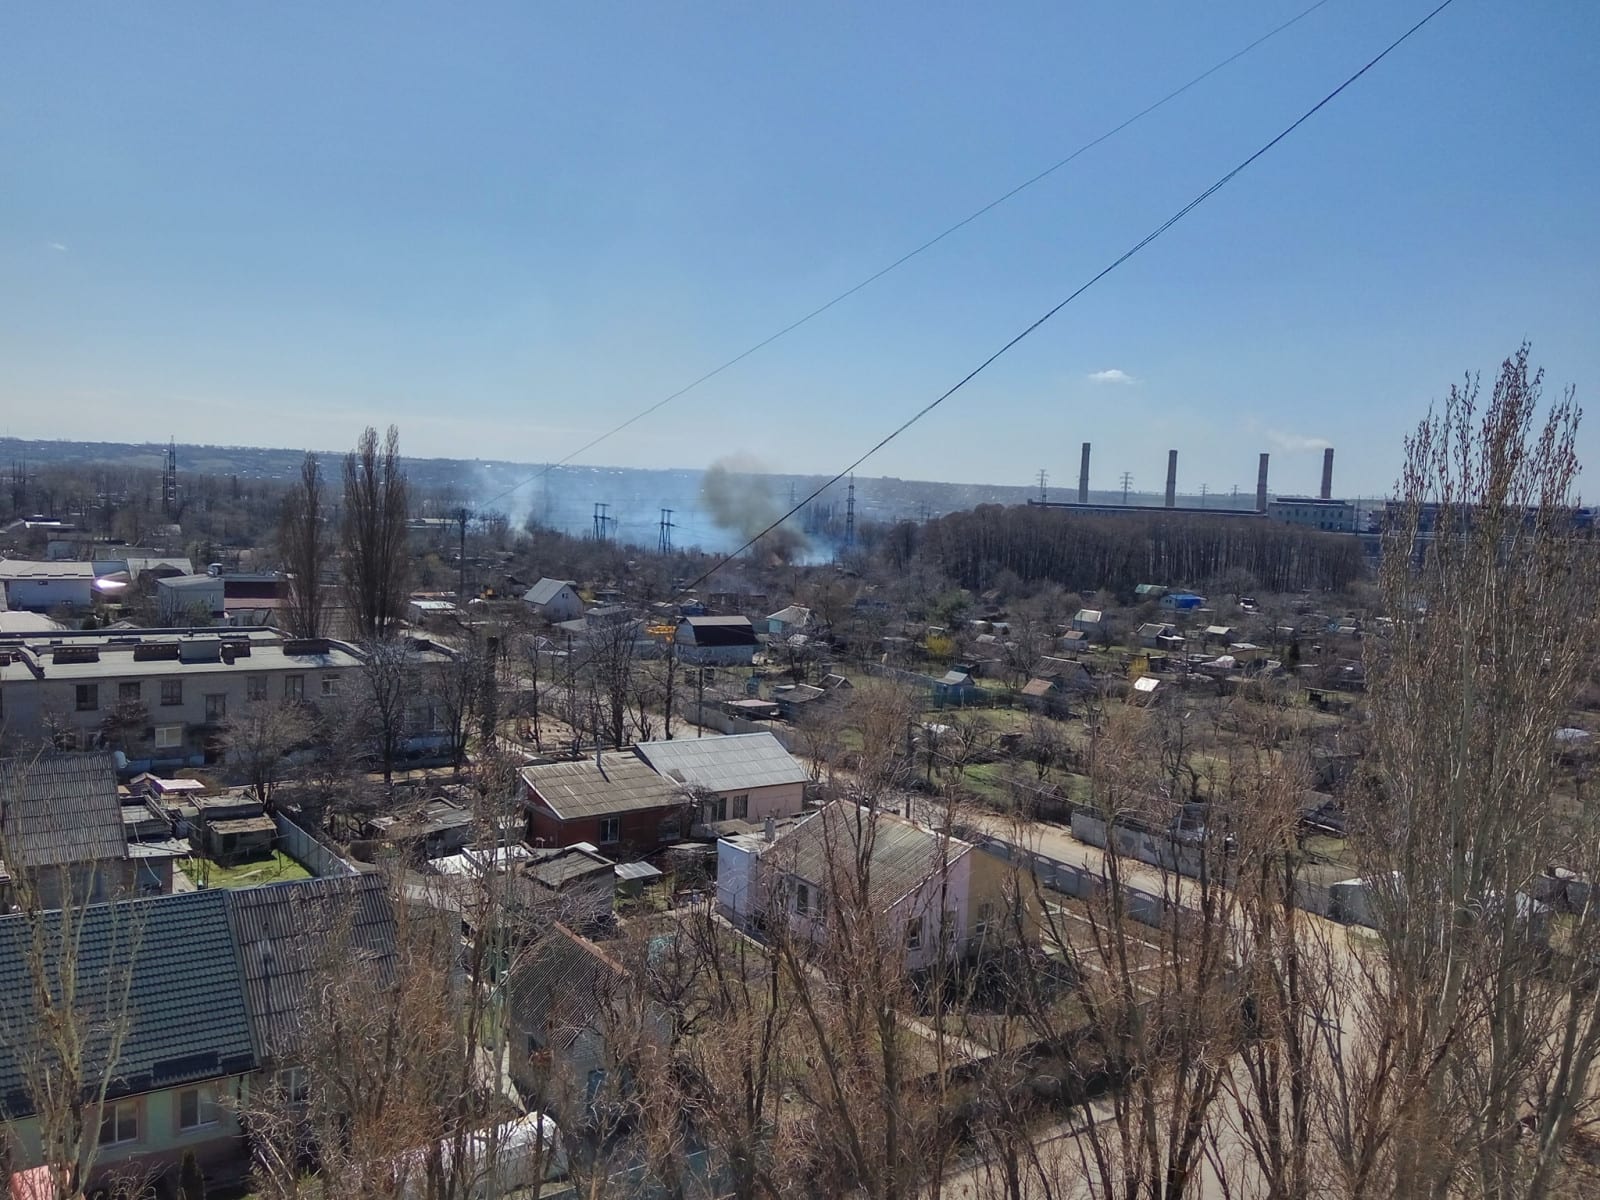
(1309, 512)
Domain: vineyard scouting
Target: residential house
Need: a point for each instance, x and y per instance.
(615, 802)
(794, 700)
(191, 599)
(957, 686)
(1091, 622)
(1219, 635)
(555, 599)
(741, 777)
(932, 895)
(433, 829)
(167, 966)
(41, 586)
(1182, 601)
(1150, 591)
(564, 999)
(791, 620)
(1150, 633)
(1044, 695)
(574, 885)
(716, 641)
(62, 837)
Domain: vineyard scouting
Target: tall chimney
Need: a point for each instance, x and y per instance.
(1261, 486)
(1083, 477)
(1327, 473)
(1172, 478)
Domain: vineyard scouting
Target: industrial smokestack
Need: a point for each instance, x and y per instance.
(1327, 473)
(1083, 477)
(1172, 478)
(1261, 486)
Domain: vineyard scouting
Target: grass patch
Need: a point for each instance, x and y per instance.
(277, 868)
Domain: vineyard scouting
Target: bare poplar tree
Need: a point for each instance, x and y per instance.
(303, 544)
(372, 534)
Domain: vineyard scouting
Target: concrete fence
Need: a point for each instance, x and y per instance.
(306, 850)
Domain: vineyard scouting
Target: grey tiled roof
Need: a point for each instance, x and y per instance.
(60, 809)
(619, 783)
(174, 959)
(286, 933)
(563, 987)
(725, 764)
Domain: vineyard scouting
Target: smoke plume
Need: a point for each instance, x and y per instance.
(739, 498)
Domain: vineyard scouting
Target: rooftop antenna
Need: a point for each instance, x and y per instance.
(664, 542)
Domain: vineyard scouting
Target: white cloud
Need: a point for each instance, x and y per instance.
(1291, 442)
(1111, 375)
(56, 246)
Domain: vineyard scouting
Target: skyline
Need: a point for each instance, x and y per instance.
(316, 222)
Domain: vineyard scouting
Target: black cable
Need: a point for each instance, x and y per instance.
(1094, 279)
(909, 255)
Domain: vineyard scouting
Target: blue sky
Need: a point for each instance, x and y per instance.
(505, 227)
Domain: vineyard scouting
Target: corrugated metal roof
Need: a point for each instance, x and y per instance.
(173, 955)
(60, 809)
(15, 568)
(619, 783)
(563, 987)
(900, 855)
(287, 932)
(725, 764)
(546, 590)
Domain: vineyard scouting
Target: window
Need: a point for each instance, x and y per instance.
(255, 687)
(296, 1087)
(985, 916)
(330, 685)
(171, 692)
(741, 808)
(610, 829)
(802, 898)
(197, 1107)
(169, 737)
(294, 687)
(216, 707)
(914, 934)
(715, 809)
(88, 697)
(119, 1123)
(128, 693)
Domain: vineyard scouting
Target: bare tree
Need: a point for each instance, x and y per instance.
(1482, 1032)
(303, 543)
(389, 684)
(260, 739)
(372, 535)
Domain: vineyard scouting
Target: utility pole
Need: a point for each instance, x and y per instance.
(1044, 478)
(699, 701)
(1127, 480)
(664, 541)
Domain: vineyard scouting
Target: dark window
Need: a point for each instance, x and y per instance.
(294, 687)
(119, 1123)
(216, 707)
(128, 693)
(88, 697)
(171, 692)
(255, 687)
(610, 829)
(741, 808)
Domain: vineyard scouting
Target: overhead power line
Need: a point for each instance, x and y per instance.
(910, 254)
(1080, 290)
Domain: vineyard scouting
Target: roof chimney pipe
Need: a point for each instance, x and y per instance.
(1172, 478)
(1083, 476)
(1261, 485)
(1327, 473)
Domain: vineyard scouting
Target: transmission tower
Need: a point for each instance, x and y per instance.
(1204, 492)
(1127, 481)
(664, 541)
(603, 521)
(850, 516)
(1044, 478)
(169, 482)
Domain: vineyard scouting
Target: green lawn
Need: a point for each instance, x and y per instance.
(276, 869)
